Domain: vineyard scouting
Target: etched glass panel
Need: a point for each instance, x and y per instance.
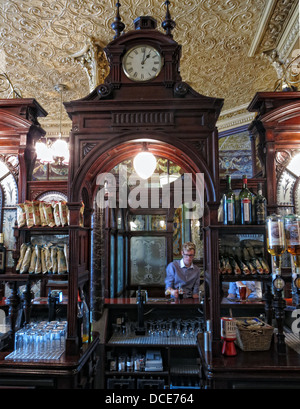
(158, 223)
(137, 222)
(10, 190)
(147, 260)
(9, 220)
(285, 188)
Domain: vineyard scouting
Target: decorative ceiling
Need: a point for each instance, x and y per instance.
(44, 42)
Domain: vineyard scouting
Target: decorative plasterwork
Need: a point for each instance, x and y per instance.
(273, 24)
(43, 40)
(233, 118)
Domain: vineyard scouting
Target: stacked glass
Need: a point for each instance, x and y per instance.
(40, 341)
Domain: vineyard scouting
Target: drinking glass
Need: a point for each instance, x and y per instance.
(243, 292)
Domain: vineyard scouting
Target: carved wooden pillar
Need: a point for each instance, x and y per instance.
(14, 302)
(72, 344)
(27, 298)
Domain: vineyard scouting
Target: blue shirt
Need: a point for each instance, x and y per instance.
(254, 286)
(188, 277)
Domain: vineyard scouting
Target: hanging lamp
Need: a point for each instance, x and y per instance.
(60, 148)
(144, 163)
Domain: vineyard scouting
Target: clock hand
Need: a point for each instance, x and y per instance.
(147, 56)
(144, 59)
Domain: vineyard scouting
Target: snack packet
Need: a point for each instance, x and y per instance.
(23, 249)
(36, 213)
(21, 215)
(48, 212)
(42, 214)
(56, 215)
(63, 212)
(53, 253)
(38, 264)
(26, 261)
(29, 213)
(32, 261)
(61, 261)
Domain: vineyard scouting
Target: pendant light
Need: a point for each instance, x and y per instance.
(60, 148)
(144, 163)
(48, 153)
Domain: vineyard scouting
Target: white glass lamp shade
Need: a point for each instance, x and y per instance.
(66, 159)
(60, 148)
(40, 148)
(144, 164)
(44, 152)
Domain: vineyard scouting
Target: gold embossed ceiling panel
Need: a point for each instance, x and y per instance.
(38, 38)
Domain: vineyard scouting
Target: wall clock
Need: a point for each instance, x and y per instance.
(142, 63)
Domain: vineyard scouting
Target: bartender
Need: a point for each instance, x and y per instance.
(183, 275)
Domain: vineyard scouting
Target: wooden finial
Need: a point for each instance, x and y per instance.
(168, 24)
(117, 25)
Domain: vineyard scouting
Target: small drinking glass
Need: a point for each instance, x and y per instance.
(243, 292)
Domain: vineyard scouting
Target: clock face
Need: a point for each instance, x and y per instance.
(142, 63)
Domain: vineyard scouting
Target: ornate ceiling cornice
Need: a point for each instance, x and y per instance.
(273, 25)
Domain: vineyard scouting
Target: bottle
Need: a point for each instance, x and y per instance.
(2, 254)
(228, 203)
(260, 206)
(245, 199)
(79, 321)
(85, 320)
(292, 235)
(276, 243)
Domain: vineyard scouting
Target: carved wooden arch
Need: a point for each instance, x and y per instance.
(18, 135)
(285, 116)
(113, 152)
(12, 125)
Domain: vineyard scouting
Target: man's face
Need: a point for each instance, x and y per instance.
(188, 256)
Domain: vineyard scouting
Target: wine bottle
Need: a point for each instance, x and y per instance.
(245, 199)
(85, 320)
(228, 203)
(79, 321)
(260, 206)
(2, 254)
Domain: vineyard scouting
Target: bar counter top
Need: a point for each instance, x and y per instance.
(186, 302)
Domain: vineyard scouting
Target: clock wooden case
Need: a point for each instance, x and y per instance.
(164, 49)
(111, 123)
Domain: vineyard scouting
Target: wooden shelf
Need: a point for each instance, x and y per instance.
(238, 228)
(26, 277)
(245, 277)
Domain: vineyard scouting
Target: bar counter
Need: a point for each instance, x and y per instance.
(250, 370)
(68, 372)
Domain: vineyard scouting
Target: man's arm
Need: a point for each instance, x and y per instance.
(169, 280)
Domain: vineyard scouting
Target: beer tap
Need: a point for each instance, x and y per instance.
(140, 300)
